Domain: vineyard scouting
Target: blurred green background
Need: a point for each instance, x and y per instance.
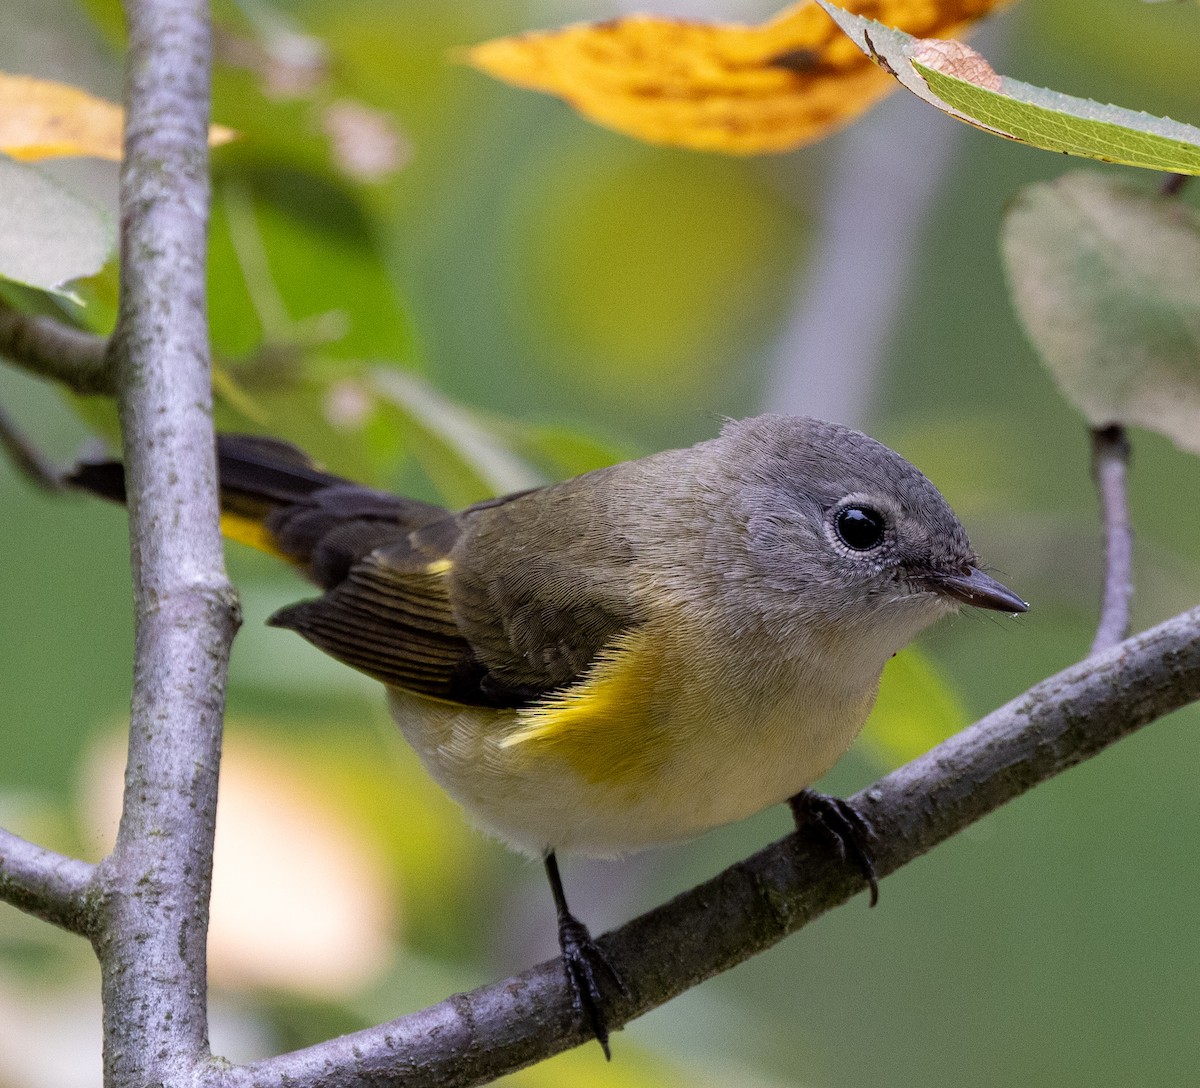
(451, 286)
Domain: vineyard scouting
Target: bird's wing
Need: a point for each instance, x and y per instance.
(391, 618)
(496, 606)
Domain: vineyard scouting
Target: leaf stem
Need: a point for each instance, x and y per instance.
(1174, 184)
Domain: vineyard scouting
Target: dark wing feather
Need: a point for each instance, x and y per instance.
(494, 607)
(391, 618)
(542, 583)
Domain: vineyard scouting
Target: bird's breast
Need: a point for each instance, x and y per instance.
(668, 735)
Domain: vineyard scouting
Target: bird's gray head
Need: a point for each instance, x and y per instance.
(851, 531)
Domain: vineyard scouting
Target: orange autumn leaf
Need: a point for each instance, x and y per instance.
(41, 119)
(741, 90)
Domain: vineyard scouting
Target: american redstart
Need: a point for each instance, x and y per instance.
(633, 656)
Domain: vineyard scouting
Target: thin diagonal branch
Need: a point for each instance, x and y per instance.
(472, 1038)
(46, 884)
(52, 349)
(153, 917)
(34, 465)
(1110, 461)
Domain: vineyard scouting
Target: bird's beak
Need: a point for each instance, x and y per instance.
(975, 588)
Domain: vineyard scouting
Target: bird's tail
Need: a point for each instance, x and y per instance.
(276, 499)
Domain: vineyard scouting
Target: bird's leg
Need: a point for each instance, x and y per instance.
(583, 961)
(843, 823)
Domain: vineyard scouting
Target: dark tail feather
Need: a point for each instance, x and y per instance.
(256, 474)
(266, 472)
(267, 469)
(274, 498)
(104, 479)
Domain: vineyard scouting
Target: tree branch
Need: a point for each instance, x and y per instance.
(52, 349)
(472, 1038)
(46, 884)
(153, 915)
(1110, 460)
(34, 465)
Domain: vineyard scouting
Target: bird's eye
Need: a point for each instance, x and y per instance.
(860, 527)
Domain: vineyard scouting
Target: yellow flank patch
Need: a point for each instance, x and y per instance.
(250, 532)
(438, 566)
(602, 726)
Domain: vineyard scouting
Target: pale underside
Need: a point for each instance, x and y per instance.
(630, 759)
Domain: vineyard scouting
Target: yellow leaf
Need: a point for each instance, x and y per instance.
(741, 90)
(41, 119)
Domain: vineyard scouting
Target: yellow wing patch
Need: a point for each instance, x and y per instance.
(251, 532)
(602, 727)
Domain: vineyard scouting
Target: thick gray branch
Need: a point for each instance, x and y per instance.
(475, 1037)
(44, 883)
(154, 908)
(51, 349)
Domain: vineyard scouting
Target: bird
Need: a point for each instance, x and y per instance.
(630, 657)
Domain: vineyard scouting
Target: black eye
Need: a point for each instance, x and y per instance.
(860, 527)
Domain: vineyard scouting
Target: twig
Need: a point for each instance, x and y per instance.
(1110, 461)
(29, 460)
(828, 358)
(51, 349)
(153, 915)
(45, 884)
(1174, 184)
(250, 251)
(475, 1037)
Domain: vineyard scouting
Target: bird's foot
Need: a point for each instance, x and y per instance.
(584, 962)
(851, 832)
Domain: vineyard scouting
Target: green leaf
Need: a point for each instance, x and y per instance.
(561, 451)
(916, 710)
(956, 80)
(48, 236)
(1106, 280)
(299, 299)
(296, 261)
(465, 459)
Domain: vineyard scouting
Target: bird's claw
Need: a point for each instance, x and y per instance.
(850, 830)
(584, 962)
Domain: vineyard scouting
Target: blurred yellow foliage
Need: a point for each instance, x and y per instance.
(741, 90)
(916, 710)
(302, 898)
(585, 1067)
(41, 119)
(615, 275)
